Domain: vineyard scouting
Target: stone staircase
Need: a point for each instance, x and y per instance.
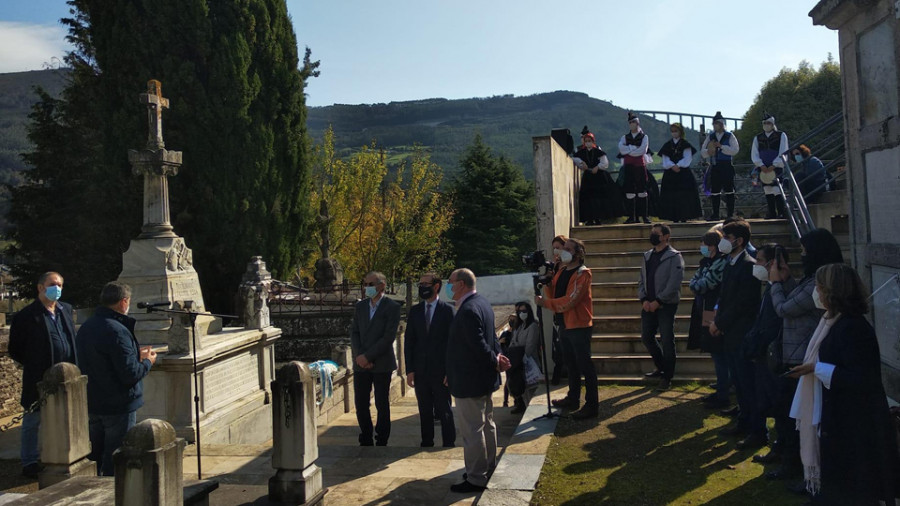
(614, 254)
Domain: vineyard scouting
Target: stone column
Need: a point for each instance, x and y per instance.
(149, 466)
(295, 447)
(64, 436)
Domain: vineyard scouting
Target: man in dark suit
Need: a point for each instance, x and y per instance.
(427, 329)
(41, 334)
(372, 335)
(474, 364)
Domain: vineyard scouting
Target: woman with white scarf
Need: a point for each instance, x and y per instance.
(847, 442)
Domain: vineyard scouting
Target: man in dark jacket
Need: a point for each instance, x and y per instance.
(739, 301)
(115, 365)
(372, 336)
(427, 328)
(659, 290)
(474, 364)
(41, 334)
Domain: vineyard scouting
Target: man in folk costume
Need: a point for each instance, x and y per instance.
(599, 197)
(769, 153)
(719, 148)
(633, 147)
(679, 199)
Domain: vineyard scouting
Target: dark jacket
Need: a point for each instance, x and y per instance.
(858, 442)
(375, 339)
(472, 350)
(426, 351)
(705, 285)
(738, 301)
(109, 354)
(29, 345)
(766, 329)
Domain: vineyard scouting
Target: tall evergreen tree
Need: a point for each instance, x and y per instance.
(495, 215)
(231, 71)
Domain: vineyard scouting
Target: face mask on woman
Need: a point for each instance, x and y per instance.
(704, 250)
(798, 158)
(523, 316)
(725, 246)
(816, 300)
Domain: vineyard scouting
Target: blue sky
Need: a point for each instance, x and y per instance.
(677, 55)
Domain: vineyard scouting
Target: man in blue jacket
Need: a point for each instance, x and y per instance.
(115, 365)
(42, 334)
(474, 364)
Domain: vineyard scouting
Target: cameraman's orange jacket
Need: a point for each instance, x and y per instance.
(576, 305)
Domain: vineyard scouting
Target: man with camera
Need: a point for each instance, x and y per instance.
(569, 293)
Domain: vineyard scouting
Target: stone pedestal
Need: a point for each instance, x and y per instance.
(295, 448)
(149, 466)
(64, 436)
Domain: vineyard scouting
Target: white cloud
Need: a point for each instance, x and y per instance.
(26, 46)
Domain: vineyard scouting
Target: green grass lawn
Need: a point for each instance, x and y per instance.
(651, 448)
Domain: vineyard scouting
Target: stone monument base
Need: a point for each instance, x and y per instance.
(297, 487)
(55, 473)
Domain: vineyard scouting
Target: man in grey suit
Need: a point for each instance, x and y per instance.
(372, 335)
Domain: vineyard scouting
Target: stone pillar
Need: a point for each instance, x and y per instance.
(295, 447)
(64, 436)
(149, 466)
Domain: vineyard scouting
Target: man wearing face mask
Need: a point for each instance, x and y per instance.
(372, 335)
(719, 148)
(115, 364)
(569, 294)
(427, 328)
(739, 301)
(633, 147)
(40, 335)
(769, 153)
(659, 291)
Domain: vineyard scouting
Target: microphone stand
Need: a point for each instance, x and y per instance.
(192, 317)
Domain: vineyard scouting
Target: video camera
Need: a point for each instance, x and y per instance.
(540, 266)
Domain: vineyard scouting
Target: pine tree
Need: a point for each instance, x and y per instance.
(231, 71)
(494, 219)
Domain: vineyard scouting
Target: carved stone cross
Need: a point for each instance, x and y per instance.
(155, 104)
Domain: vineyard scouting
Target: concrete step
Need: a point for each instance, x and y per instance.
(626, 307)
(625, 274)
(681, 244)
(639, 379)
(692, 230)
(639, 363)
(832, 197)
(625, 290)
(629, 324)
(634, 259)
(629, 343)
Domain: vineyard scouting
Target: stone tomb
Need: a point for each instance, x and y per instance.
(234, 365)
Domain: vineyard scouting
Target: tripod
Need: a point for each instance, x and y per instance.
(540, 311)
(192, 318)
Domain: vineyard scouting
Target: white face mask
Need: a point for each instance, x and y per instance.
(725, 246)
(523, 316)
(556, 252)
(760, 272)
(768, 128)
(816, 300)
(565, 257)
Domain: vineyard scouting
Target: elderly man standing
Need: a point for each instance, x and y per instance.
(41, 334)
(115, 365)
(372, 336)
(474, 364)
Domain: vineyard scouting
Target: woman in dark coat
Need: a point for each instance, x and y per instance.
(857, 443)
(679, 198)
(600, 198)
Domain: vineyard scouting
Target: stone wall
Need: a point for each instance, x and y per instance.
(10, 378)
(311, 336)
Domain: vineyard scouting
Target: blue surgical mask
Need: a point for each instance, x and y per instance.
(450, 290)
(799, 158)
(371, 292)
(53, 292)
(704, 250)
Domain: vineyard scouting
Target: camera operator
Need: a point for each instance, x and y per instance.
(569, 294)
(559, 365)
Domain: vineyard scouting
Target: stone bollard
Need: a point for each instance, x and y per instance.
(295, 446)
(149, 466)
(64, 434)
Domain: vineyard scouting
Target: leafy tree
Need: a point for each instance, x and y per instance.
(376, 223)
(799, 99)
(232, 73)
(495, 220)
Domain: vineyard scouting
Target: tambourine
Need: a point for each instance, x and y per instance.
(767, 177)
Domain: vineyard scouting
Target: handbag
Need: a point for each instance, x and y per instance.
(533, 374)
(709, 317)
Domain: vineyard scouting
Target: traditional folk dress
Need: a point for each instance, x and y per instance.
(719, 178)
(599, 198)
(679, 199)
(770, 150)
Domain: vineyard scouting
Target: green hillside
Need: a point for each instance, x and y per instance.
(506, 123)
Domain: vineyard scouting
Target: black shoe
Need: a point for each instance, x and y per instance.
(629, 221)
(646, 220)
(734, 430)
(566, 403)
(380, 443)
(769, 458)
(367, 443)
(732, 412)
(714, 217)
(655, 374)
(32, 470)
(585, 413)
(466, 488)
(786, 472)
(449, 445)
(664, 384)
(517, 410)
(714, 386)
(426, 444)
(753, 441)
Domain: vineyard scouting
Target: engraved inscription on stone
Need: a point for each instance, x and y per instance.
(185, 290)
(229, 380)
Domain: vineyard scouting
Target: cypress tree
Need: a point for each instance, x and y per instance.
(231, 71)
